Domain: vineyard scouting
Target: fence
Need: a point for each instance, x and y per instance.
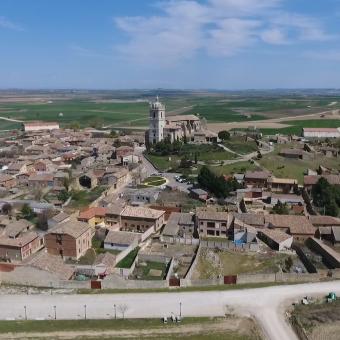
(134, 284)
(229, 245)
(191, 270)
(180, 240)
(126, 272)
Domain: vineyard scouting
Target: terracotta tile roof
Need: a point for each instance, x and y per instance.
(92, 212)
(295, 224)
(142, 212)
(324, 220)
(53, 264)
(311, 180)
(41, 177)
(20, 241)
(257, 175)
(73, 228)
(212, 215)
(120, 237)
(276, 235)
(251, 219)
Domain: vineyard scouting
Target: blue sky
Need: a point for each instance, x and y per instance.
(222, 44)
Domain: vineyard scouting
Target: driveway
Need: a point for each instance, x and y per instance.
(265, 304)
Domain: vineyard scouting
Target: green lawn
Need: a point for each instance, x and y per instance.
(163, 163)
(83, 198)
(127, 261)
(143, 271)
(208, 153)
(240, 145)
(229, 169)
(72, 325)
(155, 327)
(294, 168)
(153, 181)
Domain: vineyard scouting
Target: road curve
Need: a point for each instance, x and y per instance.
(265, 304)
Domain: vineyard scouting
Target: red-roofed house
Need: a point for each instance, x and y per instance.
(93, 216)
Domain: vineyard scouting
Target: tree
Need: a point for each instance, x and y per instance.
(7, 209)
(66, 183)
(185, 163)
(42, 222)
(280, 208)
(123, 308)
(74, 126)
(326, 197)
(63, 195)
(224, 135)
(27, 212)
(216, 184)
(117, 143)
(288, 264)
(196, 157)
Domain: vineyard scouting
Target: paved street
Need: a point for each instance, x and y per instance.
(170, 176)
(265, 304)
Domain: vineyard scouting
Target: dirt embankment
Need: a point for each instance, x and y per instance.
(318, 321)
(244, 327)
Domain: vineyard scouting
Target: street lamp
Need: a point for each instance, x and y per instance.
(115, 307)
(180, 309)
(55, 312)
(85, 312)
(25, 308)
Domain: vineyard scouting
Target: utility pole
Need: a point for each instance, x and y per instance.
(25, 308)
(115, 307)
(84, 312)
(180, 309)
(55, 312)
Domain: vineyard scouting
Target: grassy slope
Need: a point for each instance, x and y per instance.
(154, 326)
(294, 168)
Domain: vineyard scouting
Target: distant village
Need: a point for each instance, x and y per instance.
(87, 208)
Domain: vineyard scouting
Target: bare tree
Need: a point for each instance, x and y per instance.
(123, 308)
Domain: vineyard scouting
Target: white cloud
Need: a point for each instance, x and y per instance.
(274, 36)
(216, 27)
(8, 24)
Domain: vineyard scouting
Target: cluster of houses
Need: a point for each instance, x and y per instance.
(44, 156)
(50, 159)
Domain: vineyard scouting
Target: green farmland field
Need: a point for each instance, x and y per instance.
(297, 125)
(215, 107)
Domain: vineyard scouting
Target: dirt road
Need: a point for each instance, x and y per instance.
(265, 304)
(12, 120)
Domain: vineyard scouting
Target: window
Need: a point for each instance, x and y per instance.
(211, 224)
